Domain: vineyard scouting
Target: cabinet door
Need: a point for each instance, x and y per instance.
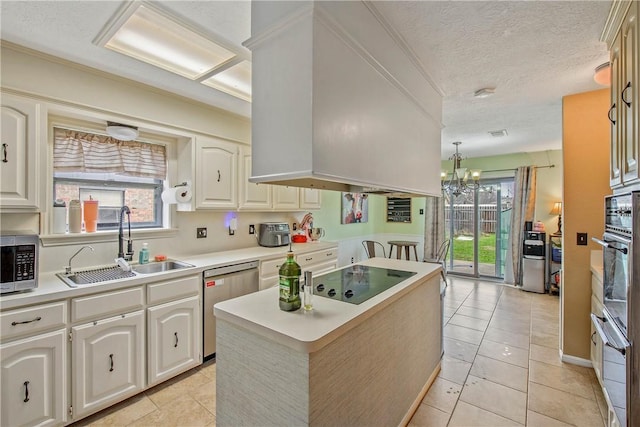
(216, 174)
(615, 155)
(21, 132)
(285, 198)
(629, 97)
(253, 196)
(108, 361)
(596, 341)
(174, 338)
(34, 373)
(310, 198)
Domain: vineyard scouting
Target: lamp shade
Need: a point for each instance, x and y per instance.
(556, 209)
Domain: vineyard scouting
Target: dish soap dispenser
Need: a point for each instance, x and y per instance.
(289, 283)
(144, 254)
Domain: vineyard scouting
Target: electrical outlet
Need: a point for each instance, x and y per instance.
(421, 211)
(582, 239)
(352, 261)
(294, 226)
(201, 232)
(252, 229)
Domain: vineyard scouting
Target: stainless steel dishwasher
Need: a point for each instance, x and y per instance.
(221, 284)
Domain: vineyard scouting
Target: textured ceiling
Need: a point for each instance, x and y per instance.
(532, 52)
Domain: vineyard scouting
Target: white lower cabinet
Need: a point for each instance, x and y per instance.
(34, 378)
(596, 341)
(108, 359)
(174, 338)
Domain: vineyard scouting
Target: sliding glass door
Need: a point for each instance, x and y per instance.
(477, 225)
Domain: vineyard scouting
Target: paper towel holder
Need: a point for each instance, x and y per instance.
(183, 184)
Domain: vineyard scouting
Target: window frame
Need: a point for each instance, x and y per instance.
(94, 122)
(158, 205)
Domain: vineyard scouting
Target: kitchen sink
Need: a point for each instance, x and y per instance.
(159, 267)
(107, 274)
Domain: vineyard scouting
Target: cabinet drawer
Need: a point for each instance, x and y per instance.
(173, 289)
(271, 267)
(96, 306)
(32, 320)
(319, 257)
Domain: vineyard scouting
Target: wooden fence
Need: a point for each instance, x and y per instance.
(463, 218)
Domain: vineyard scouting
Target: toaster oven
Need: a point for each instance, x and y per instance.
(19, 264)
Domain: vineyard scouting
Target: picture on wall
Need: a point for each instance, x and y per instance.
(355, 208)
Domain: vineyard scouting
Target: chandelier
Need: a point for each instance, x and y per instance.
(458, 182)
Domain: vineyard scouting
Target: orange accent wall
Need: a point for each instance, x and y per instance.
(585, 151)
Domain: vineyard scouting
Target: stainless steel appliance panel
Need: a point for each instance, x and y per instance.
(221, 284)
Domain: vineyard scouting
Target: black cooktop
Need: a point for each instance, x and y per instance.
(357, 283)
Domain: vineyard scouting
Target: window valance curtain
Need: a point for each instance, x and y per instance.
(75, 151)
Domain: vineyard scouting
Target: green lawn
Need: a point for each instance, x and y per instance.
(463, 249)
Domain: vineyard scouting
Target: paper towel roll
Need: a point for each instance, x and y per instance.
(174, 195)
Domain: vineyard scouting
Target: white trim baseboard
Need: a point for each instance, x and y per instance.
(575, 360)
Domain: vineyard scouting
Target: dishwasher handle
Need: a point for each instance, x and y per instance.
(228, 269)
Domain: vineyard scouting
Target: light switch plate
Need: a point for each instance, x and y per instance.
(582, 239)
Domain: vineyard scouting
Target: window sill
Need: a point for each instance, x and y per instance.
(104, 236)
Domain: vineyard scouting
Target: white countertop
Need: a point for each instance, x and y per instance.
(51, 288)
(310, 331)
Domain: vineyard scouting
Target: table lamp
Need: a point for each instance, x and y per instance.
(557, 210)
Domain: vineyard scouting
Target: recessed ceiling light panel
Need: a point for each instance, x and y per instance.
(149, 36)
(498, 133)
(235, 80)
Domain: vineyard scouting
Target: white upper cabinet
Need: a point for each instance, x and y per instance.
(253, 196)
(310, 198)
(622, 35)
(216, 174)
(629, 98)
(23, 131)
(286, 198)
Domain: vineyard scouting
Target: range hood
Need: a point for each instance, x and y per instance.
(339, 102)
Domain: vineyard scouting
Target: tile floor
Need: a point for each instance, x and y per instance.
(501, 368)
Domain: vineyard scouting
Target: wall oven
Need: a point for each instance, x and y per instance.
(619, 327)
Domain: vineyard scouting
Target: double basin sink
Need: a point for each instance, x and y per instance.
(106, 274)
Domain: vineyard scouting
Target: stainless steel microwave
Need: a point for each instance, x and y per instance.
(19, 262)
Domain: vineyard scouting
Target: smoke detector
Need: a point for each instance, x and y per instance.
(485, 92)
(498, 133)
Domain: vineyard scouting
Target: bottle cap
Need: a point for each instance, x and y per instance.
(59, 203)
(145, 245)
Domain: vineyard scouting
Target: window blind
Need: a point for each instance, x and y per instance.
(75, 151)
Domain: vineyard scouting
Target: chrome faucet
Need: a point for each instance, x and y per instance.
(67, 269)
(129, 255)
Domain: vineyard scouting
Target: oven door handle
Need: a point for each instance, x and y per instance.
(604, 337)
(609, 245)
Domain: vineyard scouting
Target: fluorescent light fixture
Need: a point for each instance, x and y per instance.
(235, 80)
(153, 37)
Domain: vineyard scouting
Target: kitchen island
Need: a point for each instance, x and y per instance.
(340, 364)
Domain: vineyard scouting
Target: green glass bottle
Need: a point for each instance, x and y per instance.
(289, 284)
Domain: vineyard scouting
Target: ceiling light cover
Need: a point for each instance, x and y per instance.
(235, 80)
(122, 132)
(602, 75)
(158, 40)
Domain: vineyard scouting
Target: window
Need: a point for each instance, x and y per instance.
(113, 172)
